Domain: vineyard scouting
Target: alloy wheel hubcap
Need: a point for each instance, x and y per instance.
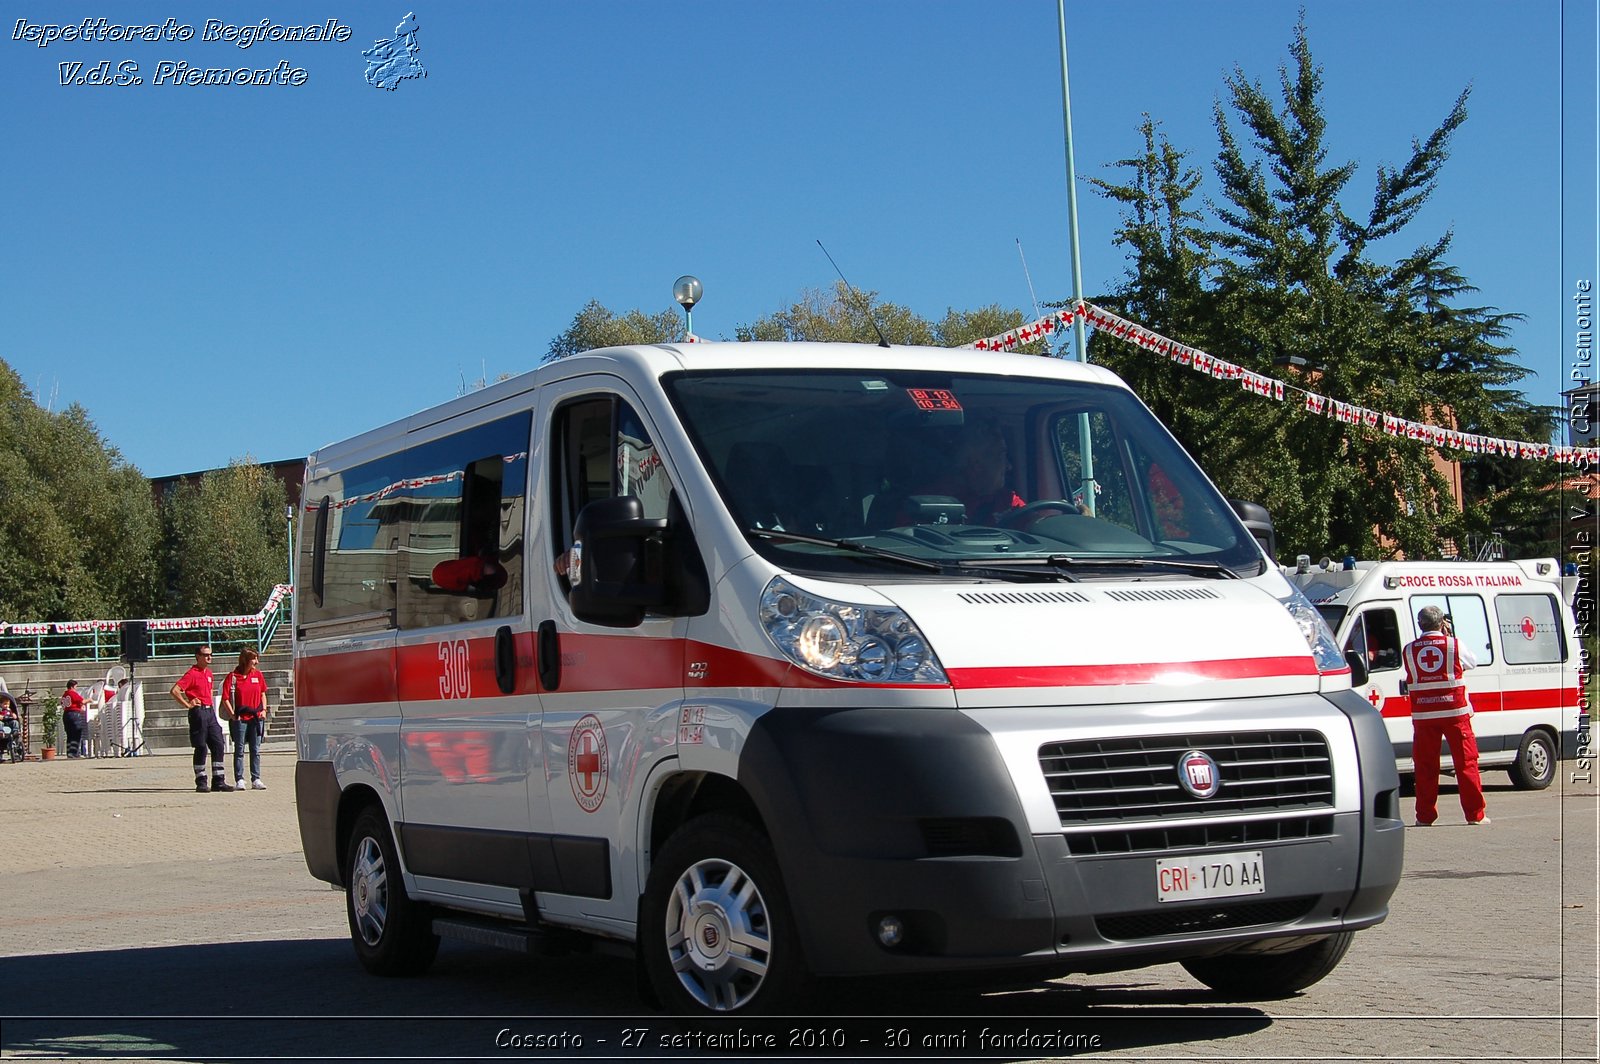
(719, 940)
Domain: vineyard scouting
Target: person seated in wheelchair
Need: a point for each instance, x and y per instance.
(10, 728)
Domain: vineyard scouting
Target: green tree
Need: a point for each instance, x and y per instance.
(844, 316)
(79, 531)
(1278, 277)
(595, 327)
(225, 537)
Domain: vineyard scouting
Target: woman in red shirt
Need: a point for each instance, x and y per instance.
(75, 715)
(244, 705)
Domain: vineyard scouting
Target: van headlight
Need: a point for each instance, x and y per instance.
(846, 641)
(1319, 637)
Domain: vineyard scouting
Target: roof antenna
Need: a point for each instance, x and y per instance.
(1037, 313)
(865, 308)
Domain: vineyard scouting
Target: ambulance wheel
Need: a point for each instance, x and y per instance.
(1535, 766)
(392, 934)
(1266, 976)
(717, 935)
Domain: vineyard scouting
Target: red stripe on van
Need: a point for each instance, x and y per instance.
(1499, 701)
(353, 678)
(595, 663)
(1142, 673)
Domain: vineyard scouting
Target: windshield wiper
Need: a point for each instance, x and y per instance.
(1066, 562)
(974, 568)
(847, 545)
(1019, 566)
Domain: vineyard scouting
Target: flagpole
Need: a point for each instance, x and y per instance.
(1084, 448)
(1072, 186)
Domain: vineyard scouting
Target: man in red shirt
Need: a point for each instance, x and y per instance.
(193, 691)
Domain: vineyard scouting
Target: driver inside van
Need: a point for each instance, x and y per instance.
(976, 473)
(975, 467)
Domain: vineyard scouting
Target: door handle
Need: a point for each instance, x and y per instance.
(549, 656)
(505, 660)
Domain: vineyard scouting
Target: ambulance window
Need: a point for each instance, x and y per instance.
(1530, 629)
(1377, 636)
(457, 519)
(1113, 501)
(1468, 617)
(601, 449)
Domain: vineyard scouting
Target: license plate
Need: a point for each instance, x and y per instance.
(1221, 875)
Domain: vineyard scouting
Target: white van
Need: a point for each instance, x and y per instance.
(1515, 618)
(806, 704)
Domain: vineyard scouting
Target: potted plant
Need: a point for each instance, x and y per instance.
(49, 723)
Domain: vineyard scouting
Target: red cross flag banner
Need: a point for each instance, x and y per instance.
(1348, 413)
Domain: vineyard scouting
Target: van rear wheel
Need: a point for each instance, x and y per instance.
(1267, 976)
(717, 935)
(392, 934)
(1535, 766)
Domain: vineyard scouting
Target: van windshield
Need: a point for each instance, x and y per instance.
(953, 469)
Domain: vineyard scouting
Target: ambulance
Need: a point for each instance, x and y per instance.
(1514, 617)
(735, 658)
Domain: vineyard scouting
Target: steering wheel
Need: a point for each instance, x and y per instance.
(1031, 512)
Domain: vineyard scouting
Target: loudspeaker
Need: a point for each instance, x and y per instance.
(135, 641)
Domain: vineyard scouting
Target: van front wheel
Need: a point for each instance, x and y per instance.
(1535, 766)
(391, 933)
(717, 935)
(1267, 976)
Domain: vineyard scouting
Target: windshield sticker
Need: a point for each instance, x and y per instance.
(933, 398)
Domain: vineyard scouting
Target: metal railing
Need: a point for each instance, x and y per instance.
(38, 643)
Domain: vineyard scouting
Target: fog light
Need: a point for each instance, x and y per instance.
(891, 932)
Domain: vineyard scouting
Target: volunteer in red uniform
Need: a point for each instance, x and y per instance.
(244, 706)
(1435, 666)
(193, 691)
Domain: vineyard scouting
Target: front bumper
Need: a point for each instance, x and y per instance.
(915, 814)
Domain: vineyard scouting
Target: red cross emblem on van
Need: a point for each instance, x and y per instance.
(586, 763)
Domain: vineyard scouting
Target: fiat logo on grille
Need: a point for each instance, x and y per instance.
(1198, 774)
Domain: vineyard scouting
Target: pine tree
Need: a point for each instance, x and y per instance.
(1276, 276)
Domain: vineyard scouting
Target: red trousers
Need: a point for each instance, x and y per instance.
(1425, 739)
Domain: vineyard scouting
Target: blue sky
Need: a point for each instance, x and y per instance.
(218, 271)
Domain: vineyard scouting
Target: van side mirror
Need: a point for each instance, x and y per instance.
(1258, 522)
(619, 572)
(1358, 667)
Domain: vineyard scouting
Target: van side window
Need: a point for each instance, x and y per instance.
(1530, 629)
(458, 520)
(1468, 616)
(1377, 637)
(383, 528)
(600, 450)
(1113, 501)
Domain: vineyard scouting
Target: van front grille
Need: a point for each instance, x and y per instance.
(1116, 780)
(1215, 835)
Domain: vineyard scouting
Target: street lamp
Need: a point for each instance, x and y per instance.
(687, 290)
(288, 514)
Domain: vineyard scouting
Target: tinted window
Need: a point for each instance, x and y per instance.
(945, 466)
(1376, 636)
(391, 523)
